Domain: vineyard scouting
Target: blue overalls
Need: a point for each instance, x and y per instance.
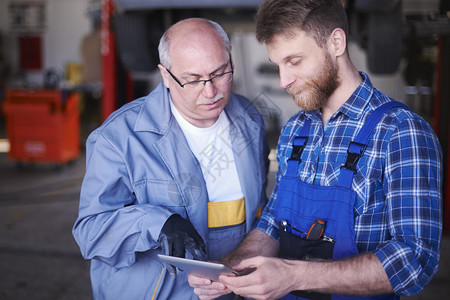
(300, 204)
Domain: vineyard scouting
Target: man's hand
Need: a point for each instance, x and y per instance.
(207, 289)
(178, 236)
(272, 278)
(361, 275)
(256, 243)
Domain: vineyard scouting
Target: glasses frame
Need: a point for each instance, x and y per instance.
(201, 80)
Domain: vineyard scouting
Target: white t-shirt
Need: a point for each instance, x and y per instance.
(212, 148)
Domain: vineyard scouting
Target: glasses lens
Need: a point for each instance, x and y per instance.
(194, 85)
(222, 78)
(217, 80)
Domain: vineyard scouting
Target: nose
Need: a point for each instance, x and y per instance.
(286, 79)
(209, 90)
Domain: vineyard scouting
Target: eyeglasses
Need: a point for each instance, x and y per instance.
(217, 80)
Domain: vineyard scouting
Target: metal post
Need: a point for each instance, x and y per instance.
(109, 66)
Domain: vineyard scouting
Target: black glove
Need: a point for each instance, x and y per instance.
(182, 236)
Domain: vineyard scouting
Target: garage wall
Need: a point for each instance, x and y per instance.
(66, 22)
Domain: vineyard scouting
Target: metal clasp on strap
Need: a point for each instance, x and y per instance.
(354, 152)
(298, 145)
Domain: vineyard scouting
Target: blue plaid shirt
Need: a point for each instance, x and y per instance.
(398, 183)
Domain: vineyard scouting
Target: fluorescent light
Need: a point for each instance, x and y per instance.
(4, 146)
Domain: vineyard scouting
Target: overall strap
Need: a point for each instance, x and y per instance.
(298, 144)
(357, 147)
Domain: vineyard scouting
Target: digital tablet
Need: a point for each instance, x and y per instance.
(201, 268)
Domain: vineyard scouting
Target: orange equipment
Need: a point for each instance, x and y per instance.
(42, 125)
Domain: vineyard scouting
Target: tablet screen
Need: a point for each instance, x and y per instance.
(200, 268)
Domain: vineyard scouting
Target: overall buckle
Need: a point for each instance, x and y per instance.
(298, 145)
(354, 152)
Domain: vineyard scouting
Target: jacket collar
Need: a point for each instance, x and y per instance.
(155, 114)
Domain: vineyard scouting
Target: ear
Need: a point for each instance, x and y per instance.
(337, 43)
(164, 75)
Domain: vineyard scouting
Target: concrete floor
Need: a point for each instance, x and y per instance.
(39, 259)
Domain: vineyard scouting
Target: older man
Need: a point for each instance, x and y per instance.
(181, 171)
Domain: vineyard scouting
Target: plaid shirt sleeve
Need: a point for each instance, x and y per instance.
(412, 185)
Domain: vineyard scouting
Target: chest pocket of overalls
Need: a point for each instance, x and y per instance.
(301, 247)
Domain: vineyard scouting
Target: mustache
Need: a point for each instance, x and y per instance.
(216, 98)
(294, 90)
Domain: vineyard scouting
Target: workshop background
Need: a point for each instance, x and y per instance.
(65, 65)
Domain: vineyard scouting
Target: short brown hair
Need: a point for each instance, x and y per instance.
(318, 18)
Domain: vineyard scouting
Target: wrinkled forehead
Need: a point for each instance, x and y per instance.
(196, 52)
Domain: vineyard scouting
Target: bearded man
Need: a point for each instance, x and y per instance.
(356, 210)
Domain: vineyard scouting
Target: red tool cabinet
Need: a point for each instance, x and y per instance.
(42, 125)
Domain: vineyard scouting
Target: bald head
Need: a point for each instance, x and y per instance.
(190, 35)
